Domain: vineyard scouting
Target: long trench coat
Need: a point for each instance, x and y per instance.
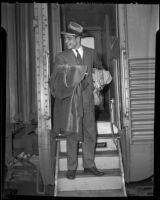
(71, 99)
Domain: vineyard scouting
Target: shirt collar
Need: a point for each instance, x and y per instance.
(80, 49)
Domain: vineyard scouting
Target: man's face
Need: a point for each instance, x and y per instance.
(71, 41)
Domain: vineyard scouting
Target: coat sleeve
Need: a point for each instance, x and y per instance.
(57, 80)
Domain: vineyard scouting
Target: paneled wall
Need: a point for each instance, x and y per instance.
(17, 20)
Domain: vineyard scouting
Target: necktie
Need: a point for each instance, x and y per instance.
(79, 59)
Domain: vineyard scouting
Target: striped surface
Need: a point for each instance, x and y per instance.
(141, 87)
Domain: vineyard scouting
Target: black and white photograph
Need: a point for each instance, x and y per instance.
(79, 84)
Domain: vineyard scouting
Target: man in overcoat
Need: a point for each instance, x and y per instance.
(72, 87)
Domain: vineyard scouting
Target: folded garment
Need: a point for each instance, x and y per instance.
(65, 78)
(101, 78)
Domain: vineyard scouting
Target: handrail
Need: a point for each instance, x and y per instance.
(57, 168)
(123, 51)
(112, 120)
(117, 143)
(121, 167)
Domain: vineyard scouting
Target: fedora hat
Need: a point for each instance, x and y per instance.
(73, 29)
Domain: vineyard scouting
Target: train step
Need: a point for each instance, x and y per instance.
(104, 127)
(103, 160)
(91, 193)
(83, 181)
(104, 142)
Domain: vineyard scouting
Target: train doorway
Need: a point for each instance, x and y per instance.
(99, 22)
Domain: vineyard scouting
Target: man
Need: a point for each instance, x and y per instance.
(72, 86)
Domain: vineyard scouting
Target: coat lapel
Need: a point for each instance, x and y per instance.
(72, 57)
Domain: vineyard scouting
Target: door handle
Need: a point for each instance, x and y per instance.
(112, 110)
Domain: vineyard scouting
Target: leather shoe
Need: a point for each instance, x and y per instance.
(94, 171)
(71, 174)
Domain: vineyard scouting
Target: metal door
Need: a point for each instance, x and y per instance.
(136, 33)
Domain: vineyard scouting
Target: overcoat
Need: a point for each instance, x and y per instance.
(71, 99)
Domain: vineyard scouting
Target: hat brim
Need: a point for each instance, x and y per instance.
(66, 33)
(73, 34)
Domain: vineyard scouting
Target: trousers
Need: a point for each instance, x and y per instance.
(88, 144)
